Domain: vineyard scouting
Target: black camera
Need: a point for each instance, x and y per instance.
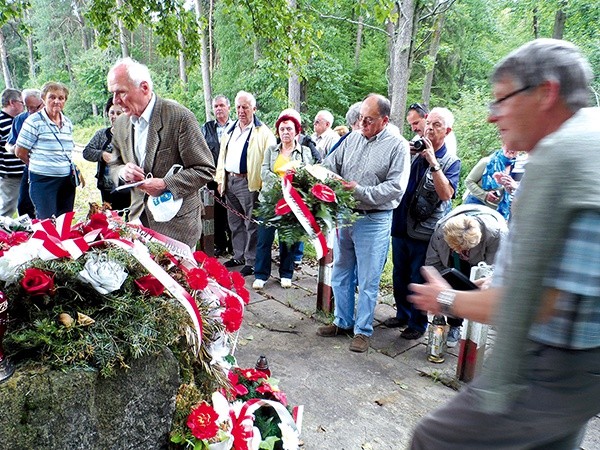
(419, 145)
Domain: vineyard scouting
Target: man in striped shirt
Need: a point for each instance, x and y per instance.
(11, 167)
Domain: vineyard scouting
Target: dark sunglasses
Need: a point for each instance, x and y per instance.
(419, 107)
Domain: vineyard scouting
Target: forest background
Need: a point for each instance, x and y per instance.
(308, 54)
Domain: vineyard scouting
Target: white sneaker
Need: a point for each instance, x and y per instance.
(286, 283)
(258, 284)
(453, 337)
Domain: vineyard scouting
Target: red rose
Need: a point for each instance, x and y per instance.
(323, 193)
(203, 421)
(37, 282)
(148, 284)
(197, 279)
(282, 208)
(98, 220)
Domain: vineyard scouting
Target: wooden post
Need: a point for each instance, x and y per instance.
(325, 300)
(208, 223)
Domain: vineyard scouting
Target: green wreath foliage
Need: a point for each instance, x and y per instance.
(328, 215)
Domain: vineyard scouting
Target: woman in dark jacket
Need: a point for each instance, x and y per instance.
(99, 149)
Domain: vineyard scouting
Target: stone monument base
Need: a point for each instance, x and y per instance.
(48, 409)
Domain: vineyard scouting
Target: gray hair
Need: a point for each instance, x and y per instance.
(246, 95)
(35, 93)
(222, 97)
(445, 114)
(326, 115)
(137, 72)
(549, 60)
(353, 114)
(383, 104)
(9, 95)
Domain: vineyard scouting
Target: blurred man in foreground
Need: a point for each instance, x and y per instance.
(540, 385)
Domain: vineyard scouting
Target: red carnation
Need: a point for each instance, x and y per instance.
(233, 314)
(243, 292)
(197, 279)
(238, 280)
(203, 421)
(282, 208)
(18, 237)
(37, 282)
(323, 193)
(200, 257)
(148, 284)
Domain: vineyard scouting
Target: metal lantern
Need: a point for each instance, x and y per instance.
(437, 334)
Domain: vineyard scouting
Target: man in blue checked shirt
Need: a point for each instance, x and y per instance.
(540, 386)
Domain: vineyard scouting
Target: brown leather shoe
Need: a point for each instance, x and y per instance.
(359, 344)
(333, 330)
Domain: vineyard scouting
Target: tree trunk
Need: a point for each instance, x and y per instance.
(30, 58)
(536, 24)
(559, 21)
(434, 48)
(4, 61)
(122, 33)
(293, 79)
(211, 49)
(204, 63)
(358, 44)
(84, 37)
(294, 92)
(399, 73)
(68, 61)
(182, 72)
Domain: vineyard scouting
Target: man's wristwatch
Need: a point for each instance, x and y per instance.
(446, 301)
(436, 168)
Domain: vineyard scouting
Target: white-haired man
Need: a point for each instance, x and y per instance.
(324, 136)
(152, 136)
(11, 167)
(32, 98)
(238, 177)
(431, 187)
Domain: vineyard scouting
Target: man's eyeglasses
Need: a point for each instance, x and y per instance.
(494, 107)
(418, 107)
(368, 120)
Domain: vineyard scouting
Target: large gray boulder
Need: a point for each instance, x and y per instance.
(47, 409)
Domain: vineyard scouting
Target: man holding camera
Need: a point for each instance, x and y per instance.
(432, 185)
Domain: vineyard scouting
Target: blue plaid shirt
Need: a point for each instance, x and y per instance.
(575, 321)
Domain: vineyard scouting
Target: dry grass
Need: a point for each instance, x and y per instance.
(90, 193)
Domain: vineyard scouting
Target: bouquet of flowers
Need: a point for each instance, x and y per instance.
(309, 201)
(101, 292)
(250, 414)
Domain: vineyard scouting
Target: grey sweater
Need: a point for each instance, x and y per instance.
(561, 180)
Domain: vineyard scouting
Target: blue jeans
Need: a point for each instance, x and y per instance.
(360, 251)
(52, 196)
(408, 257)
(262, 267)
(298, 253)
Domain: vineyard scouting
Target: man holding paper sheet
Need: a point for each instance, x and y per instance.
(153, 137)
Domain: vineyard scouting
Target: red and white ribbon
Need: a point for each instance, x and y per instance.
(56, 238)
(304, 216)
